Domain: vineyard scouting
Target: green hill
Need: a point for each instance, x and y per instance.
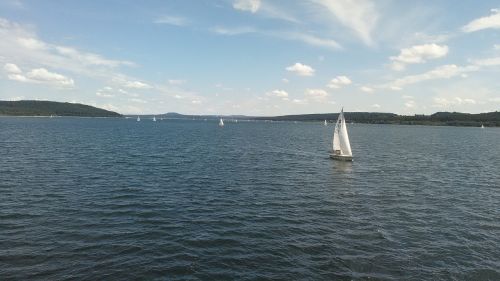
(47, 108)
(490, 119)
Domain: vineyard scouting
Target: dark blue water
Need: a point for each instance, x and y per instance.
(116, 199)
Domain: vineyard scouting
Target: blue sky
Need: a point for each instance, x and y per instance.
(253, 57)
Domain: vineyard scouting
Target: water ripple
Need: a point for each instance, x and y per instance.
(114, 199)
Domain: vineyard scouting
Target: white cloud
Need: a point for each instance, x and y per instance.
(278, 93)
(18, 77)
(43, 75)
(31, 43)
(172, 20)
(284, 80)
(105, 92)
(12, 68)
(38, 75)
(308, 39)
(418, 54)
(317, 94)
(89, 58)
(366, 89)
(230, 31)
(176, 82)
(136, 100)
(338, 82)
(21, 44)
(196, 101)
(264, 8)
(301, 69)
(299, 101)
(491, 21)
(441, 72)
(136, 85)
(375, 105)
(495, 99)
(496, 46)
(487, 62)
(410, 104)
(358, 15)
(441, 102)
(247, 5)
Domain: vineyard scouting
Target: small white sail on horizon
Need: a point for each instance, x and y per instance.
(341, 144)
(326, 123)
(221, 123)
(154, 118)
(482, 126)
(138, 118)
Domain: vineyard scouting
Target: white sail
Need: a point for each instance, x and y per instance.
(326, 123)
(138, 118)
(221, 123)
(154, 118)
(341, 145)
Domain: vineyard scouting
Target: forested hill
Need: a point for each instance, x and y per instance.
(47, 108)
(491, 119)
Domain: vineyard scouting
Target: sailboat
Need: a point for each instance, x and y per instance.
(154, 118)
(341, 146)
(221, 123)
(482, 126)
(326, 123)
(138, 118)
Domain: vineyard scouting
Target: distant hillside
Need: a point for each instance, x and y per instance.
(491, 119)
(361, 117)
(47, 108)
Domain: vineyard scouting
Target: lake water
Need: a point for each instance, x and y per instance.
(116, 199)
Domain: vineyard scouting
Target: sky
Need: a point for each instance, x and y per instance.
(253, 57)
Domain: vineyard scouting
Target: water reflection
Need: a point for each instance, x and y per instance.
(342, 167)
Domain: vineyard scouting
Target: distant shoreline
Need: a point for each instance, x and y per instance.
(46, 109)
(433, 124)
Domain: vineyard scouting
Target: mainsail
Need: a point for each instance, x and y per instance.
(341, 145)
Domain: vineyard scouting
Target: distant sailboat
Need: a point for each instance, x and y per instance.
(154, 118)
(51, 116)
(482, 126)
(341, 146)
(326, 123)
(138, 118)
(221, 123)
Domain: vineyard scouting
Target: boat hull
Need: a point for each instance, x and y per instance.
(341, 157)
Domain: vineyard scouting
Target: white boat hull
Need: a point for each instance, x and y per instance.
(341, 157)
